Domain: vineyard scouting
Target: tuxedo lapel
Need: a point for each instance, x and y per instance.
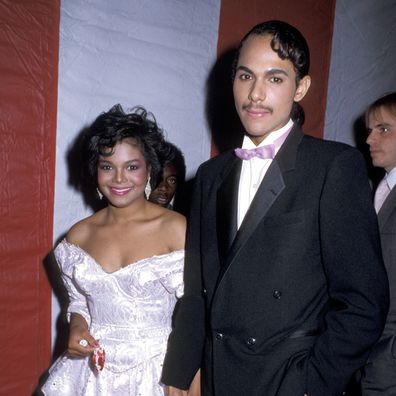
(387, 208)
(227, 206)
(270, 188)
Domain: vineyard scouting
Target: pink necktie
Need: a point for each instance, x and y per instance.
(263, 152)
(381, 193)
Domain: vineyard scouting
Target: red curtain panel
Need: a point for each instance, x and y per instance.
(29, 42)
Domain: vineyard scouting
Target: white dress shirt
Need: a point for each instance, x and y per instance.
(254, 170)
(391, 178)
(384, 188)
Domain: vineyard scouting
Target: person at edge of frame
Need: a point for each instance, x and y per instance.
(379, 374)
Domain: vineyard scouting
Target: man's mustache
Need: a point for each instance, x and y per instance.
(259, 108)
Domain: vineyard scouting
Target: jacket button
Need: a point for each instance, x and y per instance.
(251, 341)
(204, 291)
(219, 336)
(277, 294)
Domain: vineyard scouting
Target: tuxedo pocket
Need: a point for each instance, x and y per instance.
(301, 340)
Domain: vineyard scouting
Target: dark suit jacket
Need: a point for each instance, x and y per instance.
(387, 226)
(380, 372)
(292, 301)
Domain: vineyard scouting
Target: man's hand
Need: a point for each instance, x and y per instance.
(195, 388)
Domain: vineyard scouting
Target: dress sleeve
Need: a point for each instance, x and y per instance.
(77, 301)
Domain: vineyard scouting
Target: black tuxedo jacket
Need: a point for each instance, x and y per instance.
(387, 227)
(292, 301)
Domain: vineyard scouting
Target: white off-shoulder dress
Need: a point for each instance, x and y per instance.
(129, 311)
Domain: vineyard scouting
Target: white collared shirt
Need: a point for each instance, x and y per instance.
(391, 178)
(254, 170)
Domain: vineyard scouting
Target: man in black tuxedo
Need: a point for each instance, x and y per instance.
(285, 288)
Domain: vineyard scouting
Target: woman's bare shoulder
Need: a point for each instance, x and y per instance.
(175, 228)
(80, 232)
(175, 218)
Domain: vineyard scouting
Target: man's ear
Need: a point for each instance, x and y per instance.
(302, 88)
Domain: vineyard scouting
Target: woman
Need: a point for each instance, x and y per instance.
(122, 267)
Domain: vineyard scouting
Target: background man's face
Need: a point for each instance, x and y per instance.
(166, 190)
(381, 125)
(264, 88)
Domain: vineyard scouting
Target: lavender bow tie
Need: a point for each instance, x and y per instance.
(264, 152)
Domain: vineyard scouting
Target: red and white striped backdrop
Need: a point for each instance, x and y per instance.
(64, 63)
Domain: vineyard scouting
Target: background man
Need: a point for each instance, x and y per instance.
(173, 177)
(380, 372)
(285, 289)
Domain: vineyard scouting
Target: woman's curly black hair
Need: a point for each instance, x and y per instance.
(114, 126)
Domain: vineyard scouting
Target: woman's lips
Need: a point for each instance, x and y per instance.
(120, 191)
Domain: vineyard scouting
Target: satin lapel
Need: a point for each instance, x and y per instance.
(387, 208)
(227, 206)
(270, 188)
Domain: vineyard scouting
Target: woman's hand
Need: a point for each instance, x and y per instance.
(81, 343)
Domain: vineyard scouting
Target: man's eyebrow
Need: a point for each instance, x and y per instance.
(244, 68)
(382, 124)
(270, 72)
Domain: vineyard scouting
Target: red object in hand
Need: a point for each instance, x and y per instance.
(98, 358)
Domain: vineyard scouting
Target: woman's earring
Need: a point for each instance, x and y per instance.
(147, 189)
(99, 193)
